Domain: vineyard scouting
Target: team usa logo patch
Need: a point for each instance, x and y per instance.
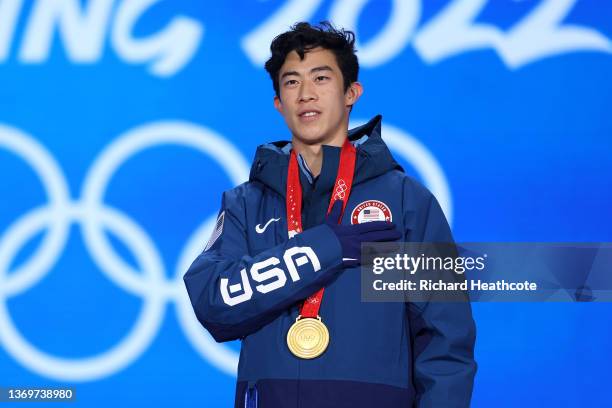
(371, 210)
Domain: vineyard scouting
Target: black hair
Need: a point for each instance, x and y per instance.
(303, 37)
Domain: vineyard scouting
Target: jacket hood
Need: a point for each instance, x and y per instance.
(373, 158)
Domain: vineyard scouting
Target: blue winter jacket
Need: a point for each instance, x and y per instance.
(251, 279)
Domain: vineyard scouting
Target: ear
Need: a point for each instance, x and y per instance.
(353, 93)
(278, 105)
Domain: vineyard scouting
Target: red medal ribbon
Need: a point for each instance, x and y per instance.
(342, 190)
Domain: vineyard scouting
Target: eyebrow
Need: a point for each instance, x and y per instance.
(315, 69)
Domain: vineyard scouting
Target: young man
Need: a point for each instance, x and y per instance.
(281, 270)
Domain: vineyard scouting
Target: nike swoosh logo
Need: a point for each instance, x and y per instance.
(260, 230)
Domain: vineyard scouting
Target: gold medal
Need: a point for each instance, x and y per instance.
(307, 337)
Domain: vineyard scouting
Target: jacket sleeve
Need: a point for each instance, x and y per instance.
(234, 294)
(443, 334)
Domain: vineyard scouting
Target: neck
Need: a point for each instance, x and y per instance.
(313, 153)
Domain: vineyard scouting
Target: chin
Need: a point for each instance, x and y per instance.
(310, 136)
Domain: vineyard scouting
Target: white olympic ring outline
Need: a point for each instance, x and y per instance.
(340, 190)
(423, 161)
(93, 217)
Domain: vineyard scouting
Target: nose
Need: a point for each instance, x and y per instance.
(307, 92)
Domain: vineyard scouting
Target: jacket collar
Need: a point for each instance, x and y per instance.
(373, 159)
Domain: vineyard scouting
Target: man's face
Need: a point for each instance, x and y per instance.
(312, 98)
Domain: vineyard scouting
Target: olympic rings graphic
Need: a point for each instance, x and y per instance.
(94, 218)
(340, 190)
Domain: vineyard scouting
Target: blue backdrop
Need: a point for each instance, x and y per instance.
(121, 122)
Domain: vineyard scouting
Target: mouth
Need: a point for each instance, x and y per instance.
(309, 116)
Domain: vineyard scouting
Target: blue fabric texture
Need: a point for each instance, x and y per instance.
(250, 282)
(351, 236)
